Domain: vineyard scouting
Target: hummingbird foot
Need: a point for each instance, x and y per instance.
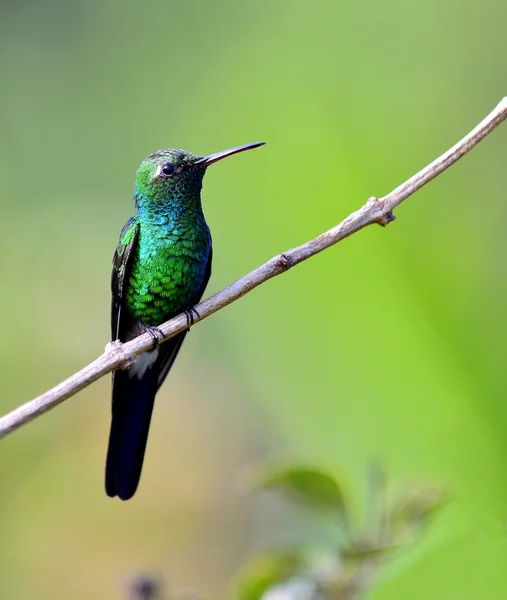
(191, 314)
(156, 335)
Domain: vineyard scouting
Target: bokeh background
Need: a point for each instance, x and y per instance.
(389, 347)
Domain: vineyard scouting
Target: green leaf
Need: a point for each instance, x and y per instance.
(264, 572)
(313, 488)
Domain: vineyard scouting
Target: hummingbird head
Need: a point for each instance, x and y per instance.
(175, 175)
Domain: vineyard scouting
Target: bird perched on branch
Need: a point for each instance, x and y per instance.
(161, 267)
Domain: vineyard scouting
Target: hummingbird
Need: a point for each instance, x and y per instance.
(161, 267)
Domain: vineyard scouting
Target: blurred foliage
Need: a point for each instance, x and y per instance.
(267, 571)
(348, 569)
(315, 489)
(389, 347)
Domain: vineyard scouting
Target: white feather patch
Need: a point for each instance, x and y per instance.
(142, 363)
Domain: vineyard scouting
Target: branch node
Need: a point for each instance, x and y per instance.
(386, 216)
(116, 347)
(113, 346)
(284, 261)
(126, 362)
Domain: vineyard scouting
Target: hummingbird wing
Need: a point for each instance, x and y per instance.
(122, 264)
(129, 397)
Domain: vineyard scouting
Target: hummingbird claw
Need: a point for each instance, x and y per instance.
(156, 335)
(189, 314)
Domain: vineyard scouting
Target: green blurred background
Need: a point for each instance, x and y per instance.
(389, 347)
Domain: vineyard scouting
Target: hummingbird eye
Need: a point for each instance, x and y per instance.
(167, 169)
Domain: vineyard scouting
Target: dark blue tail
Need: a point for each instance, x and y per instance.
(133, 400)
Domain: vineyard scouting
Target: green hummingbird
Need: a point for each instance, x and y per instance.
(161, 267)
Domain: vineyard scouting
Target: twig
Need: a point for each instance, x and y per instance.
(375, 210)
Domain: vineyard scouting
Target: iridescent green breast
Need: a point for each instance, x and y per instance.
(168, 269)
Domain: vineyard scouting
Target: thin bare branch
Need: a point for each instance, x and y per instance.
(117, 355)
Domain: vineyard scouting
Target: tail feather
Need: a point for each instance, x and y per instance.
(133, 400)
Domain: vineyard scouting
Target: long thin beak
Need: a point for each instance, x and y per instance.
(206, 161)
